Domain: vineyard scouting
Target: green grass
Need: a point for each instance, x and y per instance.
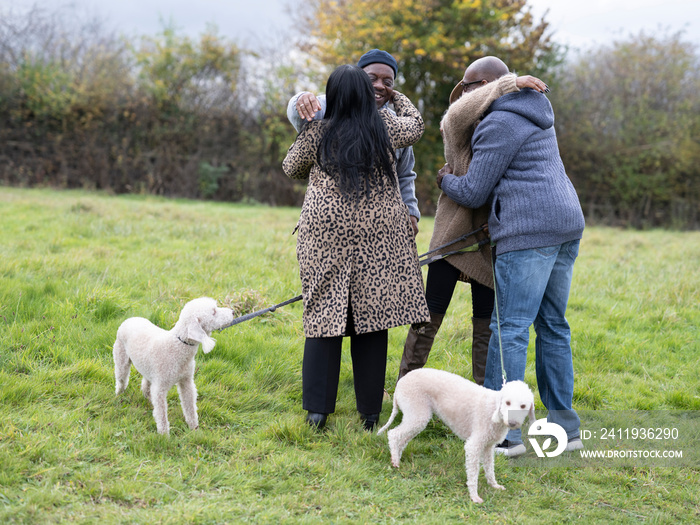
(74, 265)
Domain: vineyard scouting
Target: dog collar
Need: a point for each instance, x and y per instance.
(185, 342)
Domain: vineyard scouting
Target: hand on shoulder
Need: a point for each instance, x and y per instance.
(528, 81)
(307, 106)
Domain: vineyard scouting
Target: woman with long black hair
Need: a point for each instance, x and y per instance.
(357, 255)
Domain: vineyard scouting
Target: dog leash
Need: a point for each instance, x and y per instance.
(471, 248)
(252, 315)
(422, 262)
(460, 238)
(498, 318)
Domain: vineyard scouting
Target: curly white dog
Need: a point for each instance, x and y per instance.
(479, 416)
(166, 358)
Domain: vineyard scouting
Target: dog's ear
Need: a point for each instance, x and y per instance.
(498, 416)
(197, 333)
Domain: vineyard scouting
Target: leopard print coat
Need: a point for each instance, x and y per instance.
(356, 250)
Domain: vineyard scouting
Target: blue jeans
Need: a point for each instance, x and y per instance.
(532, 288)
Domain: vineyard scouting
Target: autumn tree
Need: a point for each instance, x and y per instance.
(628, 122)
(191, 74)
(433, 41)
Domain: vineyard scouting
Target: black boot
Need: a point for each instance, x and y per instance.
(316, 421)
(418, 345)
(481, 334)
(369, 421)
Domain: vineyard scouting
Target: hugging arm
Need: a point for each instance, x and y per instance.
(406, 127)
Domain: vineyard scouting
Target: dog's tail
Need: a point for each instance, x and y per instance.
(394, 411)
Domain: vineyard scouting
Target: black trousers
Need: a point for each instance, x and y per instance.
(440, 285)
(321, 370)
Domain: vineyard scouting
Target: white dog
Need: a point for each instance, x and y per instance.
(166, 358)
(479, 416)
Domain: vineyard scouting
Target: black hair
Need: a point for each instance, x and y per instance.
(355, 146)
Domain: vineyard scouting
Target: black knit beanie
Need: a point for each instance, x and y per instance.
(377, 56)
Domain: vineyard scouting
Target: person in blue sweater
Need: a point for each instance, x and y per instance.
(536, 223)
(382, 69)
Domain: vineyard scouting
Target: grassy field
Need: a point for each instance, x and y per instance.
(74, 265)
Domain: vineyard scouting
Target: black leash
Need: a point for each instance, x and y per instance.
(252, 315)
(471, 248)
(455, 241)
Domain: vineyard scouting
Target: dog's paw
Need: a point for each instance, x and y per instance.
(497, 486)
(476, 499)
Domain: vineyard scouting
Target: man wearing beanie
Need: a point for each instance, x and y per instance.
(377, 56)
(382, 70)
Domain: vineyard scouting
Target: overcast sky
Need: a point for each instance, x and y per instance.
(580, 24)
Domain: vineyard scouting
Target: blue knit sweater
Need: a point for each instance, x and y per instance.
(517, 168)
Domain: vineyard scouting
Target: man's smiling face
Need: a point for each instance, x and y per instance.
(382, 77)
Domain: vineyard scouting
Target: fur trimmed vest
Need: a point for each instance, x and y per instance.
(451, 219)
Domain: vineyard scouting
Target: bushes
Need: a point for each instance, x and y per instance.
(629, 132)
(87, 110)
(179, 117)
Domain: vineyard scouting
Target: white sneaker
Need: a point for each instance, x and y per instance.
(507, 448)
(574, 444)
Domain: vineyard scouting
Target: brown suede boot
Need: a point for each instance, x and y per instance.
(418, 345)
(481, 333)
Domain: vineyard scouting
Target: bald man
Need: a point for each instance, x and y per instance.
(536, 223)
(484, 81)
